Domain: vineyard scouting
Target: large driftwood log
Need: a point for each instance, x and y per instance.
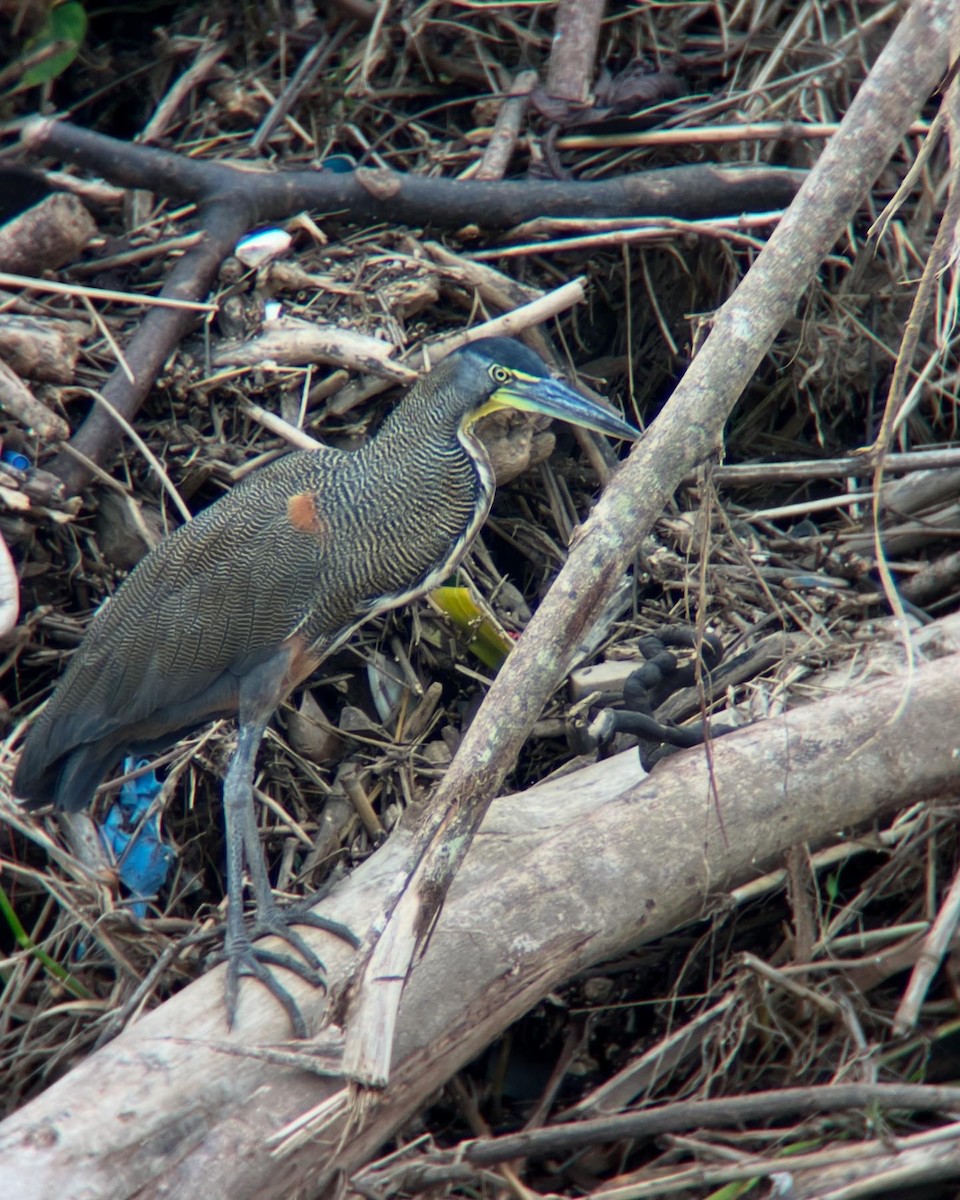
(560, 877)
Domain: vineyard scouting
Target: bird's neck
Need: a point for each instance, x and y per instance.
(425, 428)
(426, 413)
(432, 462)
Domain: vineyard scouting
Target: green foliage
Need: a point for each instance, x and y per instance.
(26, 942)
(65, 26)
(487, 640)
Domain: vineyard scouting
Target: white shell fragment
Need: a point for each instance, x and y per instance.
(262, 247)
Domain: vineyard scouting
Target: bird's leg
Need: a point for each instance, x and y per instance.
(271, 918)
(242, 957)
(261, 691)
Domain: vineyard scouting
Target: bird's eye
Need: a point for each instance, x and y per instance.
(499, 374)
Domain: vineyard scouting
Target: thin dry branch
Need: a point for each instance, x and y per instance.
(930, 957)
(705, 1114)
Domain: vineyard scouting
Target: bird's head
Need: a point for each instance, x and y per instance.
(496, 373)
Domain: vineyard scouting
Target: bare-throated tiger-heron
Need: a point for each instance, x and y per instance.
(229, 613)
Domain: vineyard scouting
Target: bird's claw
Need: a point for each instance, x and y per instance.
(270, 919)
(278, 924)
(300, 913)
(245, 959)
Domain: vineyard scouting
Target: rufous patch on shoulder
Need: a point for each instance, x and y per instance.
(303, 514)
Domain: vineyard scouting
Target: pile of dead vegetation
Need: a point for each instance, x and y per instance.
(602, 193)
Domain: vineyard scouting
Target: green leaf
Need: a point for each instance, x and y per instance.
(25, 942)
(66, 24)
(488, 641)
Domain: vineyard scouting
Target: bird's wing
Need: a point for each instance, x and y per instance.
(165, 653)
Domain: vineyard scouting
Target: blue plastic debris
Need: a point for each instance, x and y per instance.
(19, 462)
(144, 859)
(339, 164)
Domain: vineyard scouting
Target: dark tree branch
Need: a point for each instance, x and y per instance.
(156, 338)
(689, 192)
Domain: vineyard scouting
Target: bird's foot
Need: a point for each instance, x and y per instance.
(245, 958)
(270, 918)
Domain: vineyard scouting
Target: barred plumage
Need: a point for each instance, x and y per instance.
(231, 611)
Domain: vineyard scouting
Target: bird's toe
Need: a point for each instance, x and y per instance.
(278, 924)
(245, 959)
(303, 915)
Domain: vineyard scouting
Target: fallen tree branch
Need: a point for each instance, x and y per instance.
(377, 194)
(560, 877)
